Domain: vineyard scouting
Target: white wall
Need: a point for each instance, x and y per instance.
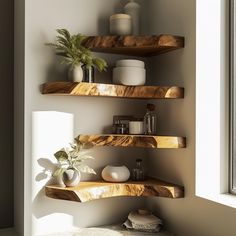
(191, 215)
(88, 115)
(188, 216)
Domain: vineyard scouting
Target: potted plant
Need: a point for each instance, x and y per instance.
(77, 56)
(71, 163)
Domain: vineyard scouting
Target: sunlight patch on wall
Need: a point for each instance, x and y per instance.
(51, 131)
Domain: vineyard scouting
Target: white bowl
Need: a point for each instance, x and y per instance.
(115, 173)
(132, 76)
(130, 63)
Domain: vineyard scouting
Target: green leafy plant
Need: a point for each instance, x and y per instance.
(73, 158)
(70, 47)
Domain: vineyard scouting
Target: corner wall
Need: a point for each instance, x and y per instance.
(87, 115)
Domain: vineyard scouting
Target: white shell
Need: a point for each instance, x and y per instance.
(115, 173)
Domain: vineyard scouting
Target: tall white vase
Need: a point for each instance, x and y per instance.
(132, 8)
(75, 73)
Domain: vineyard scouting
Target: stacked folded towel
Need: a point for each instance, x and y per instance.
(143, 220)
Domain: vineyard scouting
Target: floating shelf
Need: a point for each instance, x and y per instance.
(146, 141)
(112, 90)
(88, 191)
(135, 45)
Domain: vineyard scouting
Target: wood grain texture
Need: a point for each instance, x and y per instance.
(145, 141)
(88, 191)
(135, 45)
(112, 90)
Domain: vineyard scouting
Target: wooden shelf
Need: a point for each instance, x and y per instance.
(112, 90)
(135, 45)
(88, 191)
(145, 141)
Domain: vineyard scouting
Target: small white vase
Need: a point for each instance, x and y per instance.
(115, 173)
(71, 177)
(75, 73)
(132, 8)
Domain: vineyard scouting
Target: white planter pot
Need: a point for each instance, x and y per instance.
(115, 173)
(132, 76)
(120, 24)
(71, 177)
(75, 74)
(129, 72)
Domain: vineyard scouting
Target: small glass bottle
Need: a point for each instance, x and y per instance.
(115, 126)
(122, 129)
(138, 172)
(88, 74)
(150, 120)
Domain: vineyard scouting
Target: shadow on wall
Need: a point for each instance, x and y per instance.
(48, 169)
(99, 212)
(50, 131)
(103, 20)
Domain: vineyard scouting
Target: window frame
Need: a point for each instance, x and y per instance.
(232, 98)
(212, 102)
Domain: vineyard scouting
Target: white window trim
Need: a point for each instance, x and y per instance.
(232, 93)
(212, 120)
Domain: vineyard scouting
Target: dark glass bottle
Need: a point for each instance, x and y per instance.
(88, 74)
(150, 120)
(138, 173)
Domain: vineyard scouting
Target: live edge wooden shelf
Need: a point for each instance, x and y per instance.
(135, 45)
(88, 191)
(144, 141)
(112, 90)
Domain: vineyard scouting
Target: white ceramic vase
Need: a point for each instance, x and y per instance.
(132, 8)
(120, 24)
(71, 177)
(115, 173)
(75, 73)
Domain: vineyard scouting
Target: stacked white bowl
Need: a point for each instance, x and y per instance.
(129, 72)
